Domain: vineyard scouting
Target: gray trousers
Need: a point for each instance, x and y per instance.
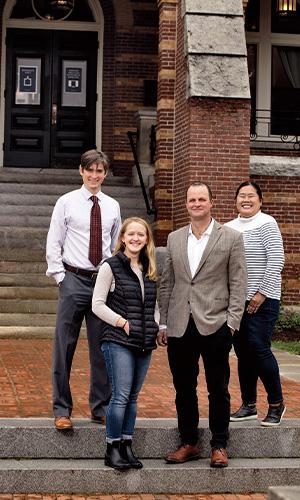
(74, 304)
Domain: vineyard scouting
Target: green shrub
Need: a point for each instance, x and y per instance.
(287, 320)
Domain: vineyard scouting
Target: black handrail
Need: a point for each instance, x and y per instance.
(131, 136)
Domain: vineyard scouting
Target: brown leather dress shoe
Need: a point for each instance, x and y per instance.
(218, 457)
(98, 420)
(184, 453)
(63, 423)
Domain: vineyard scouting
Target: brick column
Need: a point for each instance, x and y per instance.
(211, 114)
(165, 119)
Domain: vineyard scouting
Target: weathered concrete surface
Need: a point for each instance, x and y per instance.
(91, 476)
(217, 76)
(224, 7)
(284, 493)
(215, 35)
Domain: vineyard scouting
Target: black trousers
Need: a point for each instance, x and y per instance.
(184, 354)
(75, 304)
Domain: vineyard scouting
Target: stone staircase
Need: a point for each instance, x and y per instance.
(27, 197)
(35, 458)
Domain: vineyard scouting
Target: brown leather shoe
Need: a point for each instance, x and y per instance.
(218, 457)
(63, 423)
(98, 420)
(184, 453)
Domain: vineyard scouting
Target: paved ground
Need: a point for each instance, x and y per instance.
(25, 381)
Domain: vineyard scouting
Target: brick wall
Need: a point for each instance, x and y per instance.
(282, 201)
(133, 61)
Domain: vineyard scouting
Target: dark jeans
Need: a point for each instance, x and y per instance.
(252, 344)
(184, 354)
(74, 304)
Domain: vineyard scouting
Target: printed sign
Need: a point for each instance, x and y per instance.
(73, 83)
(73, 79)
(28, 79)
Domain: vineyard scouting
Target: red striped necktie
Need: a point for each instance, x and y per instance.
(95, 249)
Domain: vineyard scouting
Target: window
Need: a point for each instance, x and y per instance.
(274, 71)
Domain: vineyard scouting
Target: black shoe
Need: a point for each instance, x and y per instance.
(128, 455)
(245, 412)
(274, 416)
(113, 457)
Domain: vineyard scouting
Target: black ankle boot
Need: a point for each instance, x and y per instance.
(113, 457)
(128, 455)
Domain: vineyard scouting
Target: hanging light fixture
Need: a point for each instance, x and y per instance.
(55, 10)
(286, 7)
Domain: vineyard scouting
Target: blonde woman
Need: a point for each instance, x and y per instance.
(125, 300)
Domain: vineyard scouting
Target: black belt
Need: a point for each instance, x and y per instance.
(83, 272)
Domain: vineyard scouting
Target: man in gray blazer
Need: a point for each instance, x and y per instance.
(201, 299)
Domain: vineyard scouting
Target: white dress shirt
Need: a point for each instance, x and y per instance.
(196, 247)
(69, 233)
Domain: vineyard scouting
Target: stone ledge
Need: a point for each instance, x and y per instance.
(274, 166)
(221, 7)
(154, 438)
(91, 476)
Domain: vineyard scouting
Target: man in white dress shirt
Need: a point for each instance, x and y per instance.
(68, 245)
(201, 298)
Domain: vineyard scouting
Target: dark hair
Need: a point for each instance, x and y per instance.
(94, 156)
(200, 183)
(250, 183)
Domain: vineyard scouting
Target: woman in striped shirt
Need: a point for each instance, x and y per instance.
(252, 343)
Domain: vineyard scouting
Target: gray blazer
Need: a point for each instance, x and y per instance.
(217, 292)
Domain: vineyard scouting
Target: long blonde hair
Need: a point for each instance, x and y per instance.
(149, 249)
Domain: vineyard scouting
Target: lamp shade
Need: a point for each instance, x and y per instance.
(286, 7)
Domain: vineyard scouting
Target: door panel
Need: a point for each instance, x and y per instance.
(53, 127)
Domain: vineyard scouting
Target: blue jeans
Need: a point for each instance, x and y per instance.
(252, 344)
(127, 370)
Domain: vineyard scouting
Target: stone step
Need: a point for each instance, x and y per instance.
(52, 176)
(284, 493)
(28, 306)
(154, 438)
(35, 458)
(91, 476)
(19, 267)
(129, 207)
(121, 190)
(134, 198)
(27, 320)
(16, 238)
(37, 280)
(27, 255)
(28, 292)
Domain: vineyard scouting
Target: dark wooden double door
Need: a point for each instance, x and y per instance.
(50, 97)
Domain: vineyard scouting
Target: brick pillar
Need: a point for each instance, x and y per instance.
(165, 119)
(212, 110)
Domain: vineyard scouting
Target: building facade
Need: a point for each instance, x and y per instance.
(219, 79)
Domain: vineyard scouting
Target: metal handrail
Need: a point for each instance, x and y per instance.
(131, 135)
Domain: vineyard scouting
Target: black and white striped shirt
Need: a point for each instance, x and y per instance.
(264, 253)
